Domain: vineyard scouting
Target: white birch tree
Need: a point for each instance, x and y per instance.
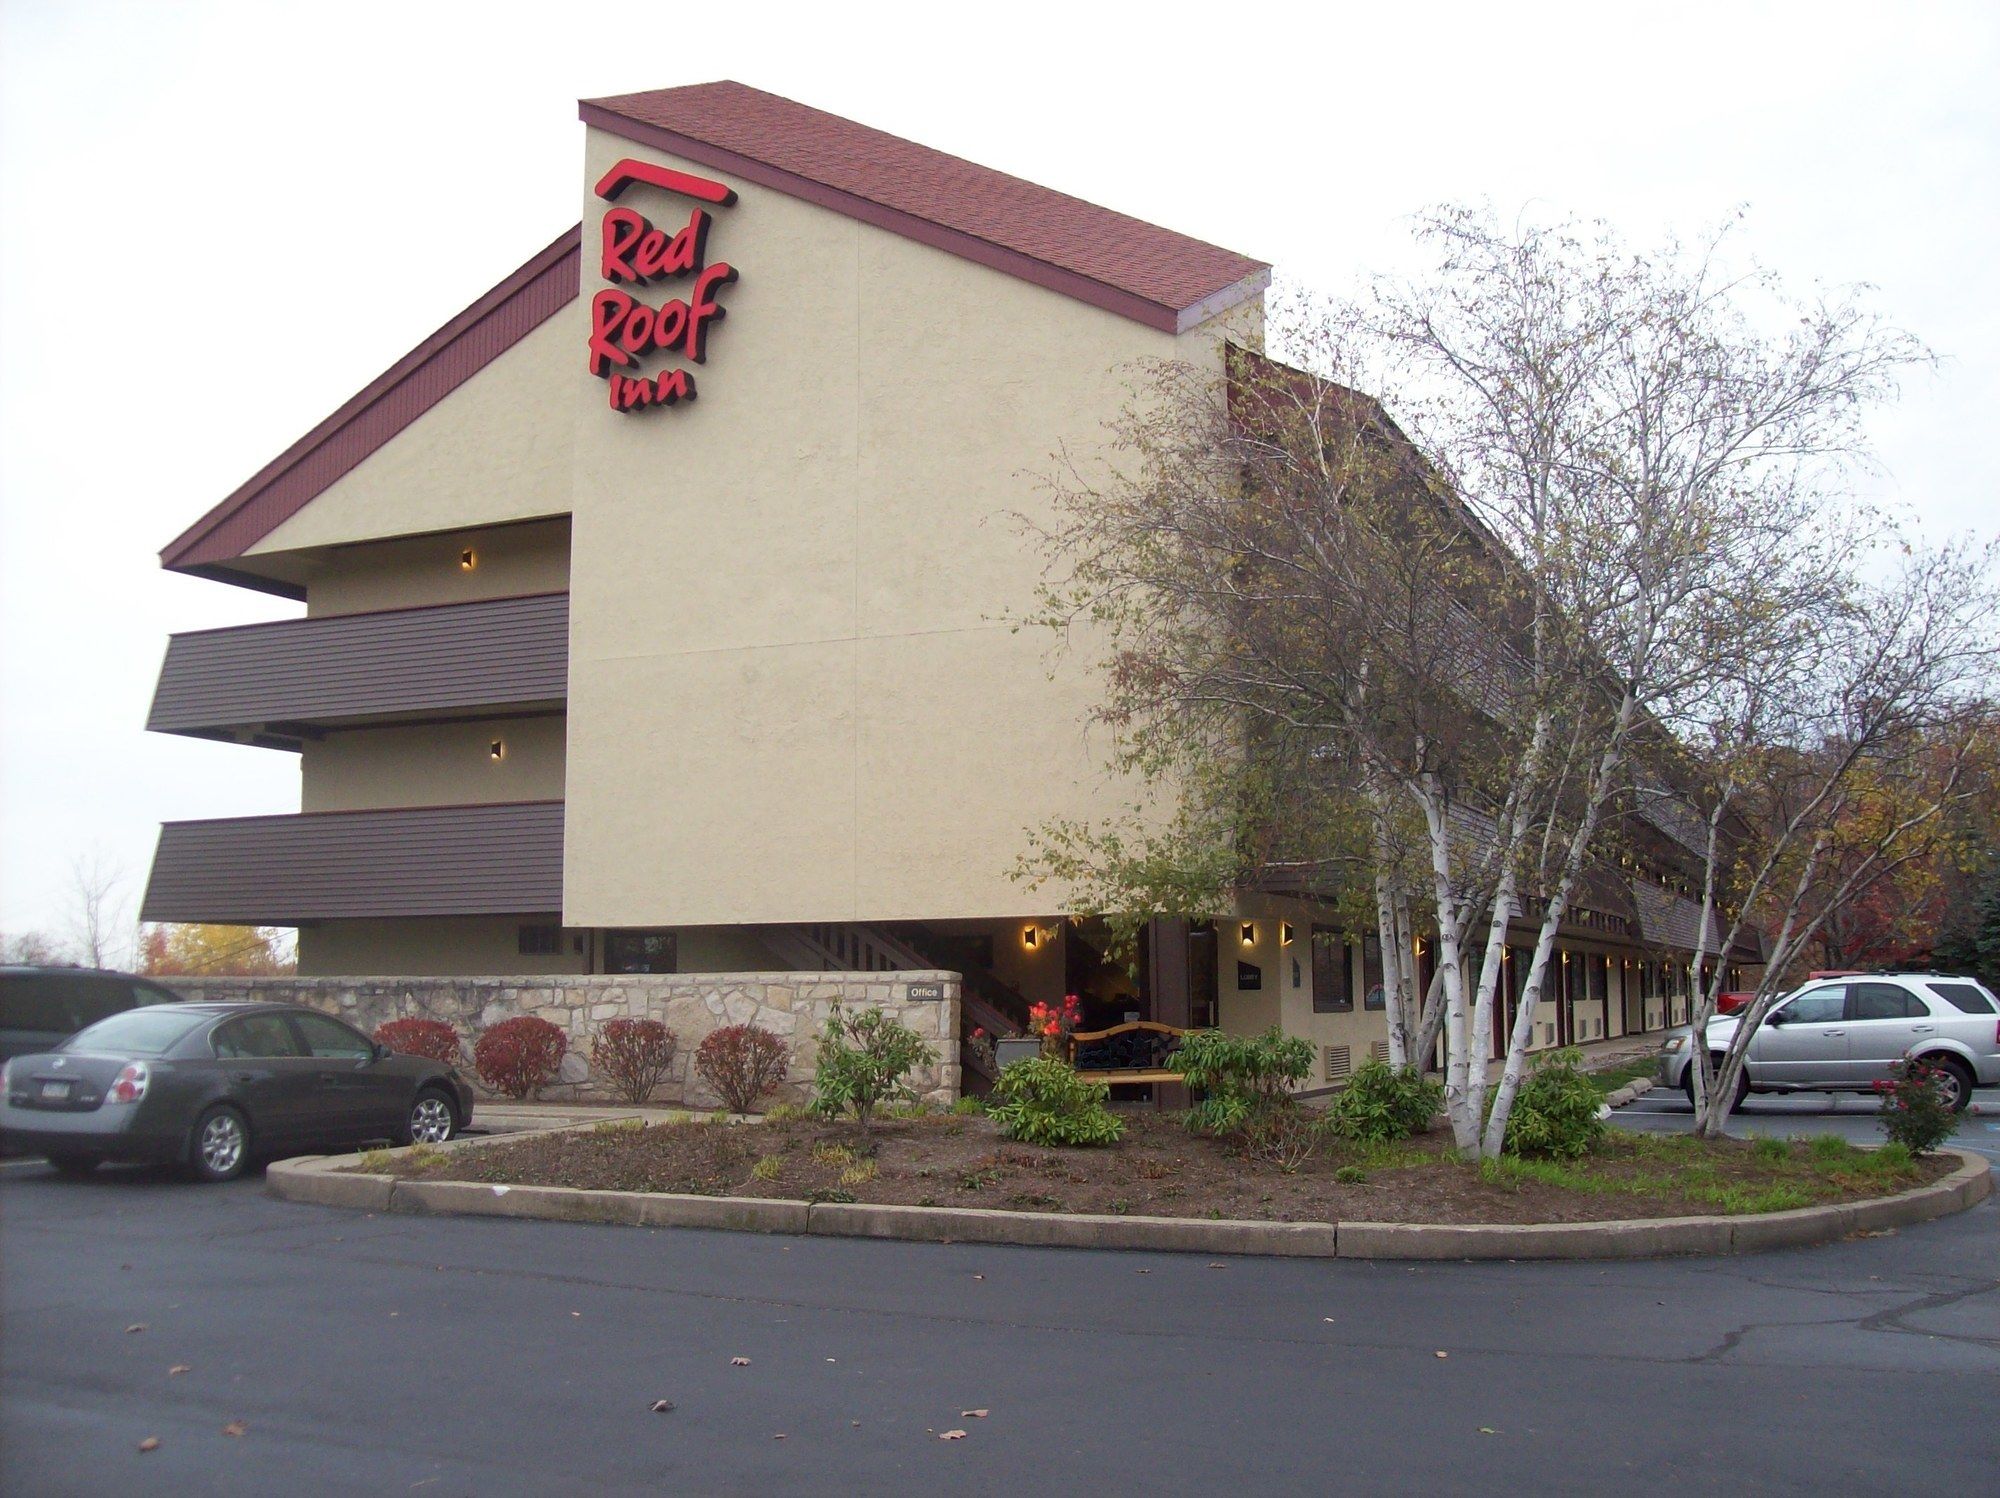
(1601, 472)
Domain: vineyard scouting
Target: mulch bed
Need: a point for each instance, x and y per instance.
(1158, 1169)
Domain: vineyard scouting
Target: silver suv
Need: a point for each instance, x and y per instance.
(1843, 1034)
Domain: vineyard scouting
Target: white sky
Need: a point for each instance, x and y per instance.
(218, 221)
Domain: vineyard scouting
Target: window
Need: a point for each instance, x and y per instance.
(1884, 1001)
(34, 1001)
(1968, 997)
(329, 1037)
(1333, 975)
(1823, 1006)
(137, 1032)
(1371, 973)
(255, 1035)
(1598, 971)
(100, 998)
(640, 952)
(540, 941)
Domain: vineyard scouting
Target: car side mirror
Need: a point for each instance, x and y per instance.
(1775, 1017)
(382, 1053)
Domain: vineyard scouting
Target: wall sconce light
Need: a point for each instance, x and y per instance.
(1420, 946)
(497, 750)
(1249, 933)
(1031, 937)
(1284, 933)
(467, 559)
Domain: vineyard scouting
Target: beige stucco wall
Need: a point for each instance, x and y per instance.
(497, 448)
(1284, 1000)
(508, 560)
(490, 945)
(436, 764)
(461, 946)
(794, 695)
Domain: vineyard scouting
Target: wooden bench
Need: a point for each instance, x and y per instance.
(1134, 1052)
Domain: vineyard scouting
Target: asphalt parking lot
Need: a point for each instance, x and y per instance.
(1849, 1115)
(432, 1355)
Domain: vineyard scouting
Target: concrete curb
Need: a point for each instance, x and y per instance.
(330, 1181)
(1618, 1097)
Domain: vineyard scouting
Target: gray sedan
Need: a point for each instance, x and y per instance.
(211, 1085)
(1843, 1035)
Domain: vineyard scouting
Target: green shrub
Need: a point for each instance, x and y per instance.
(1382, 1104)
(864, 1058)
(1244, 1077)
(1044, 1101)
(968, 1107)
(1914, 1113)
(1350, 1175)
(1555, 1112)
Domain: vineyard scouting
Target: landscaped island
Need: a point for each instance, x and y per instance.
(1159, 1168)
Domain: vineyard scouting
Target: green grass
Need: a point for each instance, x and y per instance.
(1608, 1082)
(1804, 1173)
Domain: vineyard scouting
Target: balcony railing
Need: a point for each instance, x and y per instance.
(503, 859)
(276, 684)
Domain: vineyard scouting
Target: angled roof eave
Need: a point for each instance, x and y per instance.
(1150, 311)
(548, 281)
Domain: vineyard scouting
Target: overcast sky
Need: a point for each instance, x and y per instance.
(218, 221)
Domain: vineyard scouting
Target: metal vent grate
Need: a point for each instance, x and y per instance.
(1339, 1063)
(1379, 1051)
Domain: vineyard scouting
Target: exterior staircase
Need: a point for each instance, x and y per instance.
(985, 1003)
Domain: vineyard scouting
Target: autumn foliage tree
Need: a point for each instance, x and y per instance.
(1581, 479)
(193, 949)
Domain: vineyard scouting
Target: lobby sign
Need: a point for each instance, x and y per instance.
(626, 329)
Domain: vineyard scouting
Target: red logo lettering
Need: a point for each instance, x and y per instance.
(623, 329)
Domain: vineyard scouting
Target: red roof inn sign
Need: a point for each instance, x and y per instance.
(624, 329)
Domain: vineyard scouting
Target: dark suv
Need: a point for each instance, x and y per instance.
(42, 1006)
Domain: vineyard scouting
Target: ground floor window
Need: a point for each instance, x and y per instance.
(1333, 977)
(640, 952)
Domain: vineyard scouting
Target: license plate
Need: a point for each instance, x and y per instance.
(55, 1089)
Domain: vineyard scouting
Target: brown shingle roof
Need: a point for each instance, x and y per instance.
(1138, 269)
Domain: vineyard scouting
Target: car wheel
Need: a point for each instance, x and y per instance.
(1953, 1079)
(1715, 1065)
(432, 1119)
(75, 1166)
(221, 1146)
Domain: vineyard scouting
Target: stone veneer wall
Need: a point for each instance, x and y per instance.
(792, 1005)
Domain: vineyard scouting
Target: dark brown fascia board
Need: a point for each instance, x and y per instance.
(239, 578)
(187, 552)
(401, 608)
(360, 811)
(1167, 319)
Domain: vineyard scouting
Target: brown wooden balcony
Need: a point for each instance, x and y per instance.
(503, 859)
(276, 684)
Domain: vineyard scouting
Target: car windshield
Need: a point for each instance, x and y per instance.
(151, 1031)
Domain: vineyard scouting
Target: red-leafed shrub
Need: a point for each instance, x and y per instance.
(432, 1039)
(635, 1056)
(743, 1064)
(519, 1056)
